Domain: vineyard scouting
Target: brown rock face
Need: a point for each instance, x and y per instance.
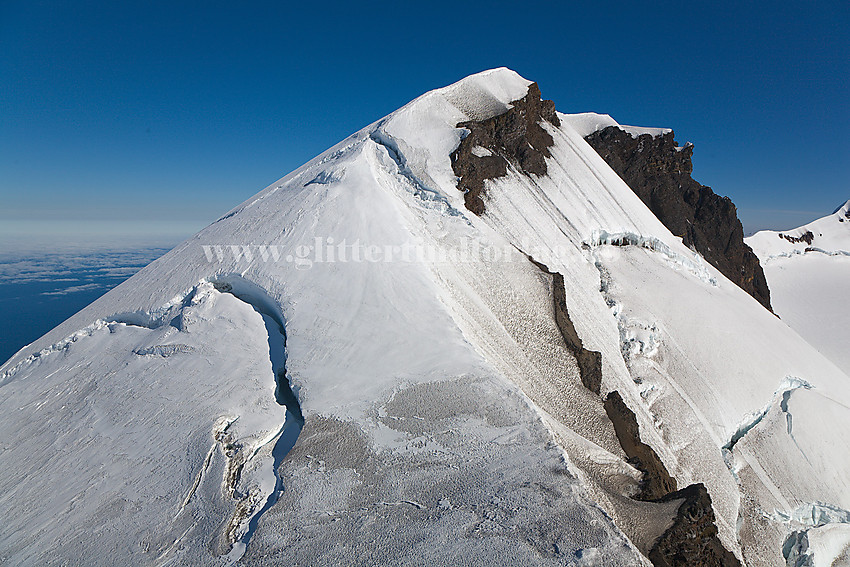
(516, 140)
(657, 482)
(692, 539)
(659, 172)
(807, 237)
(513, 138)
(589, 361)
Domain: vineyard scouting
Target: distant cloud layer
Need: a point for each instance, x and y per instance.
(39, 290)
(72, 289)
(73, 267)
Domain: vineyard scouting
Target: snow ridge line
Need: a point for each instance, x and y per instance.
(347, 145)
(148, 319)
(694, 266)
(88, 331)
(433, 198)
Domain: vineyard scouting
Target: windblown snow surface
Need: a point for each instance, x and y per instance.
(587, 123)
(444, 419)
(809, 280)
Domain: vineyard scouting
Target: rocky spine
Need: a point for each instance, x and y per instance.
(659, 172)
(512, 139)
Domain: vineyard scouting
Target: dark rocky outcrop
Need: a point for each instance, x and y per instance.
(706, 221)
(692, 539)
(657, 482)
(807, 237)
(659, 172)
(512, 138)
(589, 361)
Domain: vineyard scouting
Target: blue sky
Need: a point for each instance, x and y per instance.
(157, 117)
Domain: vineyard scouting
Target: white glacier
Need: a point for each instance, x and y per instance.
(809, 280)
(443, 415)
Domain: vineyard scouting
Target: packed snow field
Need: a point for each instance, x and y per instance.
(444, 418)
(809, 277)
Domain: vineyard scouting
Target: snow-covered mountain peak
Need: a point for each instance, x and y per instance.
(525, 382)
(826, 235)
(808, 270)
(483, 94)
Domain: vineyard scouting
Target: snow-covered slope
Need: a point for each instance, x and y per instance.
(828, 235)
(586, 123)
(444, 416)
(808, 270)
(142, 430)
